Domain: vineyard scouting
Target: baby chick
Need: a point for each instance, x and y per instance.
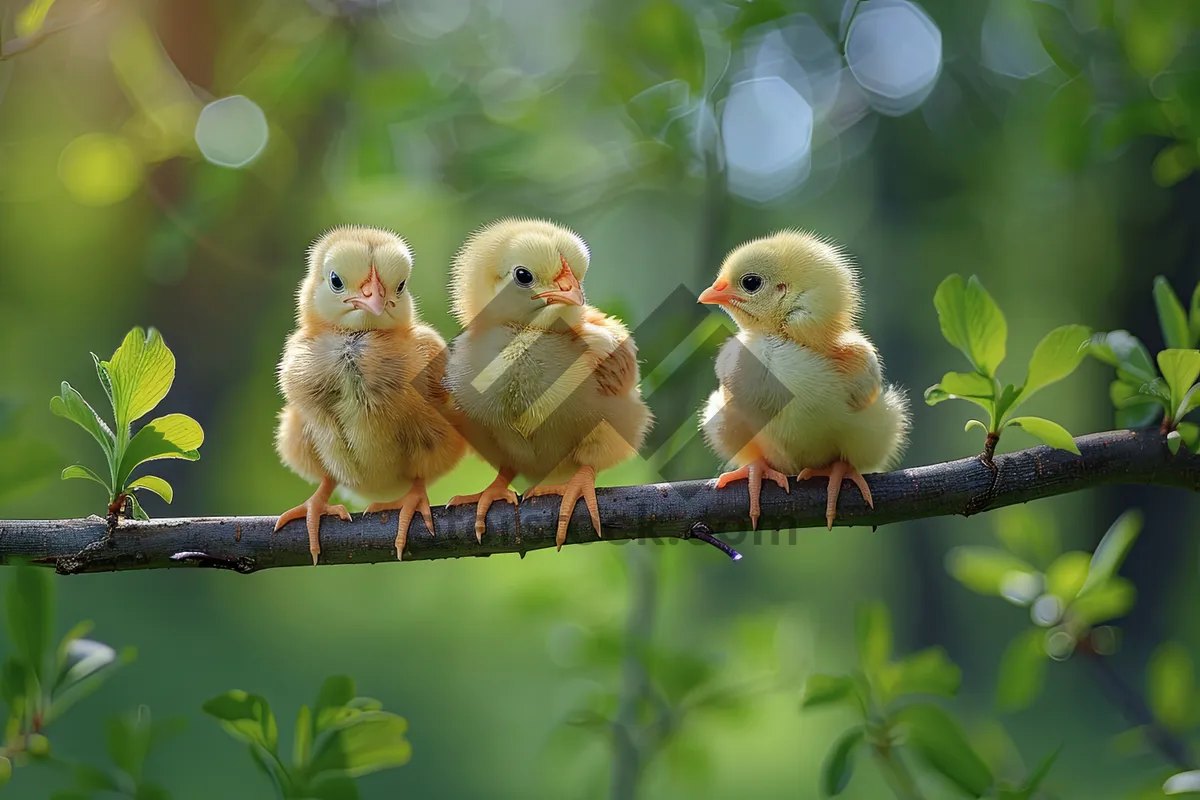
(362, 377)
(801, 387)
(548, 385)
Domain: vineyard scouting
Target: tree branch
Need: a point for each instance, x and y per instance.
(653, 511)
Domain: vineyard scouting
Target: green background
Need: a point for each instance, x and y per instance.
(433, 119)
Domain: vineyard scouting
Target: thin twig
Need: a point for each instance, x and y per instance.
(628, 752)
(660, 513)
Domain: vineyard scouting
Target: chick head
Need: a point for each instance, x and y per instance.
(357, 280)
(519, 270)
(789, 282)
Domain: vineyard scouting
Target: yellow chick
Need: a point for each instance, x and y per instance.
(547, 385)
(362, 378)
(801, 387)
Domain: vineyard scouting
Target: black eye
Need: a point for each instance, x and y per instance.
(335, 283)
(400, 286)
(751, 282)
(523, 277)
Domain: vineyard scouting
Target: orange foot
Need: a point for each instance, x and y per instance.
(582, 485)
(414, 500)
(496, 490)
(311, 510)
(836, 472)
(753, 473)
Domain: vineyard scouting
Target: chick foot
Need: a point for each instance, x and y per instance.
(582, 485)
(496, 490)
(753, 473)
(837, 471)
(414, 500)
(311, 511)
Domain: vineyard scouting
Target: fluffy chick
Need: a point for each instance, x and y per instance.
(547, 385)
(362, 379)
(801, 387)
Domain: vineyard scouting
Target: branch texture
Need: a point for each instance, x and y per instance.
(654, 511)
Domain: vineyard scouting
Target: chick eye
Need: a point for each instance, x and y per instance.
(335, 283)
(751, 282)
(523, 277)
(400, 286)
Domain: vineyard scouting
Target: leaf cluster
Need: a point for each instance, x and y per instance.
(135, 379)
(1068, 594)
(893, 726)
(341, 737)
(1142, 393)
(128, 740)
(973, 323)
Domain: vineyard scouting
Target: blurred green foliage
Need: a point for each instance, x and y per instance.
(1054, 158)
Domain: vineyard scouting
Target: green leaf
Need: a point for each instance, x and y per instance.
(987, 570)
(152, 483)
(1190, 433)
(1172, 164)
(1049, 432)
(88, 777)
(335, 787)
(1038, 775)
(128, 741)
(972, 322)
(1056, 356)
(367, 743)
(1180, 368)
(974, 423)
(1109, 600)
(1010, 398)
(970, 386)
(1123, 350)
(1113, 548)
(83, 658)
(822, 690)
(1022, 671)
(69, 404)
(1029, 531)
(151, 791)
(1171, 685)
(69, 693)
(1134, 409)
(80, 471)
(1152, 34)
(31, 616)
(336, 692)
(1066, 576)
(245, 716)
(138, 511)
(171, 436)
(839, 763)
(929, 671)
(141, 370)
(939, 741)
(302, 746)
(873, 627)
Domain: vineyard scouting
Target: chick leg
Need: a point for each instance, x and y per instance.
(414, 500)
(836, 472)
(496, 490)
(753, 473)
(311, 511)
(582, 485)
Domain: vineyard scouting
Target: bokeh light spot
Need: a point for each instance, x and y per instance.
(99, 169)
(894, 51)
(232, 131)
(767, 127)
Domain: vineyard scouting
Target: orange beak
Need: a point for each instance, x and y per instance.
(371, 295)
(569, 292)
(718, 294)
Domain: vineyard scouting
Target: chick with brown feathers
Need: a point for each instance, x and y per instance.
(362, 379)
(801, 387)
(547, 385)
